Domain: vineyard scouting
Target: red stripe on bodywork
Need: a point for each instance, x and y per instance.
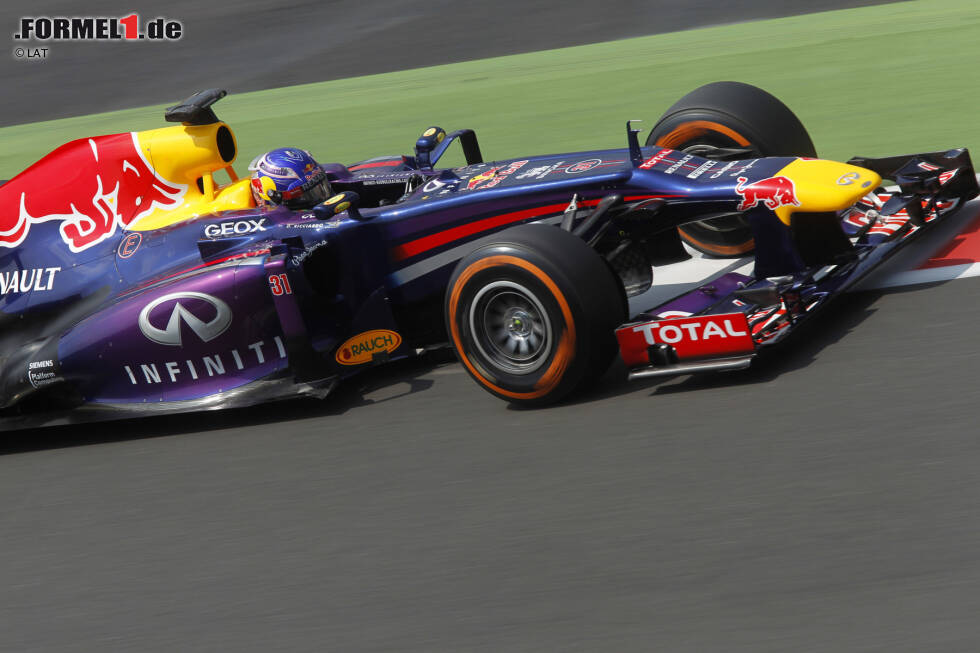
(377, 164)
(258, 252)
(424, 244)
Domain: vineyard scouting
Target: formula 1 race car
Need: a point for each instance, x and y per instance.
(130, 279)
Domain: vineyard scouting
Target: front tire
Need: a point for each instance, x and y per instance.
(532, 317)
(730, 115)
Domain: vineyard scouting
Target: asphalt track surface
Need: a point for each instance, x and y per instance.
(824, 500)
(251, 44)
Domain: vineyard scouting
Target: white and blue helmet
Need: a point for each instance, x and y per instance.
(288, 176)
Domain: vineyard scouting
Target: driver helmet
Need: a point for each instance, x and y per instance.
(288, 176)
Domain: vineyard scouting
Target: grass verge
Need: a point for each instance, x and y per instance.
(888, 79)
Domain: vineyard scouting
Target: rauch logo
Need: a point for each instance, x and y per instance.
(362, 347)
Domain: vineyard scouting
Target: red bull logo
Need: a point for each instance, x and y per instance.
(494, 176)
(481, 178)
(92, 186)
(772, 192)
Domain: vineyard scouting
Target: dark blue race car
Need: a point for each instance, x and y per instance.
(132, 279)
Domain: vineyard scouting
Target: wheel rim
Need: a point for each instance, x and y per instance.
(510, 327)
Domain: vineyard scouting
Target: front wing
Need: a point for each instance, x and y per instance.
(721, 325)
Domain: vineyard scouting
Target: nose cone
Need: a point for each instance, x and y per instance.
(822, 185)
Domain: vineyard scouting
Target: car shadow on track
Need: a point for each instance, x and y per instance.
(404, 377)
(798, 351)
(410, 376)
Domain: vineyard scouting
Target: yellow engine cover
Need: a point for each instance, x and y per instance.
(185, 154)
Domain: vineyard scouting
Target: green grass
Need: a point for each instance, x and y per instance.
(872, 81)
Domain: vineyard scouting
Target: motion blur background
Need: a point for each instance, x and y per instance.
(864, 80)
(250, 45)
(825, 500)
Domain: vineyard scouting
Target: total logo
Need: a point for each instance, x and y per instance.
(655, 159)
(236, 228)
(665, 332)
(704, 336)
(362, 348)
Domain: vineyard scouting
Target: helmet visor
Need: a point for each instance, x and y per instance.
(309, 194)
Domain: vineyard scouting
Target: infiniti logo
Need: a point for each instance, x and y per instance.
(170, 334)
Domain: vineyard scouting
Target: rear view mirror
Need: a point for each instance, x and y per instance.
(347, 201)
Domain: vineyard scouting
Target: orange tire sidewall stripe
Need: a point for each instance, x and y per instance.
(566, 346)
(723, 250)
(695, 128)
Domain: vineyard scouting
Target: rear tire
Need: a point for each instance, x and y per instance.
(532, 317)
(730, 115)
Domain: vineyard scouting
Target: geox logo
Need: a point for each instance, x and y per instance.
(236, 228)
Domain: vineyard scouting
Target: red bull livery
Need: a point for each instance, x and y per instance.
(92, 187)
(137, 273)
(772, 192)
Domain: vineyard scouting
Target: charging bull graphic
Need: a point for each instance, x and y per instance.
(92, 186)
(773, 192)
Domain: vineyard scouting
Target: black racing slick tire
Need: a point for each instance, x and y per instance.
(532, 316)
(730, 115)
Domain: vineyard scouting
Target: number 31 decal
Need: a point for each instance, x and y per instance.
(280, 285)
